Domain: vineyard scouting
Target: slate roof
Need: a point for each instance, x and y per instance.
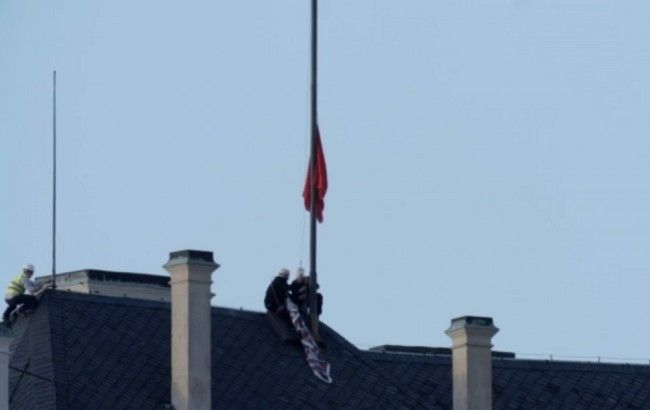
(81, 351)
(527, 384)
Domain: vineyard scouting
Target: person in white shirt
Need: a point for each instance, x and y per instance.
(15, 295)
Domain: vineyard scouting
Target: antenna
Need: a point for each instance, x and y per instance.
(54, 179)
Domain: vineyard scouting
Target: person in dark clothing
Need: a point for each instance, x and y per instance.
(299, 289)
(276, 294)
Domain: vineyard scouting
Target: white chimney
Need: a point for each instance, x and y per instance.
(472, 362)
(6, 336)
(190, 272)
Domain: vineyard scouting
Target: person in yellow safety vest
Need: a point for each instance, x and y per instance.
(15, 293)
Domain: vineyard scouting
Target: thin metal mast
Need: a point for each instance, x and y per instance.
(54, 179)
(313, 280)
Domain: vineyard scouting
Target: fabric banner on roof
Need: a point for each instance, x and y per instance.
(320, 367)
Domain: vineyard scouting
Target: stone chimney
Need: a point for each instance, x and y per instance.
(472, 362)
(191, 272)
(6, 336)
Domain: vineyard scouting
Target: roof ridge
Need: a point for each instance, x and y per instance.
(413, 358)
(562, 365)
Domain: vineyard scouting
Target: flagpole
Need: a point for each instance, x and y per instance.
(54, 179)
(313, 280)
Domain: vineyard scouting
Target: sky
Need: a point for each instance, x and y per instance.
(485, 158)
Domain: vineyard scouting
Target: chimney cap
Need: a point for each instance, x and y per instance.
(190, 256)
(471, 321)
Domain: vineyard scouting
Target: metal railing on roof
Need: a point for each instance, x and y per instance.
(443, 351)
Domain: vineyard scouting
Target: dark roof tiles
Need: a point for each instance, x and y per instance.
(524, 384)
(104, 352)
(80, 351)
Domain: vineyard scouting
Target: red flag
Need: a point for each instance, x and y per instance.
(318, 178)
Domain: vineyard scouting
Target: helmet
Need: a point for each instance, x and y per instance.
(29, 267)
(284, 273)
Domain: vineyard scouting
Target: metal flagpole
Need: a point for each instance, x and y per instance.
(313, 280)
(54, 179)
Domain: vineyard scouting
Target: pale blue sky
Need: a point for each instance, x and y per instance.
(485, 157)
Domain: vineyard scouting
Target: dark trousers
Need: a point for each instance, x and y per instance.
(28, 302)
